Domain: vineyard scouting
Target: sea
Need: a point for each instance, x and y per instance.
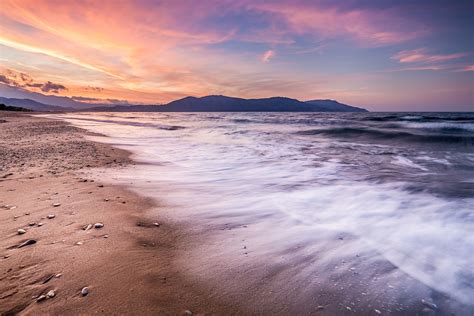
(374, 209)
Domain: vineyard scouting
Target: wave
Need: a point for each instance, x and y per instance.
(442, 126)
(421, 118)
(389, 135)
(242, 121)
(129, 123)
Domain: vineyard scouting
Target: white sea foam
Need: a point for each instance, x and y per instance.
(440, 125)
(403, 161)
(257, 176)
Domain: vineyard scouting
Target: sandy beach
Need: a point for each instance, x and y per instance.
(126, 265)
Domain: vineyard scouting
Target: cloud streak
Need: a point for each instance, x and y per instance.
(421, 55)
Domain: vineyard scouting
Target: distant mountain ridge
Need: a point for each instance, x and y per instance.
(220, 103)
(212, 103)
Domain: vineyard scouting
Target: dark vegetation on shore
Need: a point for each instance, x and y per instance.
(4, 107)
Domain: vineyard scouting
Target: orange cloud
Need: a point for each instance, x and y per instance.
(22, 80)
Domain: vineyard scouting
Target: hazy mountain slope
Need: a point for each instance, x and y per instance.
(31, 105)
(334, 106)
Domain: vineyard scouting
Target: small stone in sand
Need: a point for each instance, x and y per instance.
(377, 311)
(56, 204)
(51, 294)
(98, 225)
(40, 224)
(101, 186)
(320, 307)
(32, 224)
(41, 298)
(187, 313)
(87, 227)
(27, 213)
(348, 308)
(106, 236)
(27, 243)
(21, 231)
(58, 275)
(48, 278)
(429, 304)
(79, 243)
(106, 200)
(156, 224)
(84, 291)
(51, 216)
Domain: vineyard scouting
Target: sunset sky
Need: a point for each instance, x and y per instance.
(383, 55)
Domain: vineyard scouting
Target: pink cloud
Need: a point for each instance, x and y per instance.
(368, 27)
(468, 68)
(269, 54)
(420, 55)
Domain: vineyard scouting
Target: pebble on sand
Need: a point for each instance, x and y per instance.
(21, 231)
(27, 243)
(32, 224)
(85, 291)
(51, 216)
(87, 227)
(187, 313)
(56, 204)
(79, 243)
(40, 224)
(156, 224)
(41, 298)
(98, 225)
(429, 304)
(51, 294)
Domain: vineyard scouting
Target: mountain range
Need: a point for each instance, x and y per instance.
(212, 103)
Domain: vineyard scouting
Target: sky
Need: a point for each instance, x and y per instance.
(382, 55)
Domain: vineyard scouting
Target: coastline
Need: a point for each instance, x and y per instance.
(187, 263)
(127, 265)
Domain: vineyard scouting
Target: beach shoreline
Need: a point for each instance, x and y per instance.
(155, 254)
(127, 265)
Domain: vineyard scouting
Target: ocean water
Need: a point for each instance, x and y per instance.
(363, 204)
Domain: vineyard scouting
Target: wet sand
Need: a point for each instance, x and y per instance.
(127, 265)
